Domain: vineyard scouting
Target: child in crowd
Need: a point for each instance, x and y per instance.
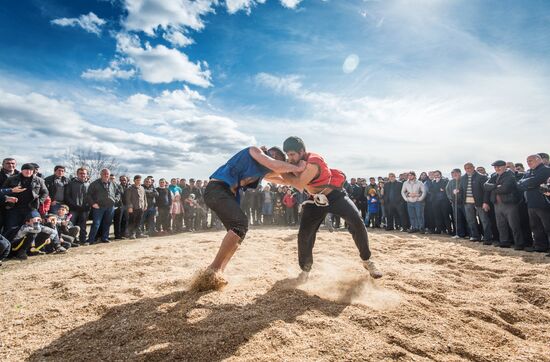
(56, 242)
(373, 206)
(26, 240)
(176, 211)
(65, 228)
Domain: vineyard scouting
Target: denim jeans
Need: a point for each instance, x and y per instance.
(471, 211)
(416, 214)
(101, 217)
(459, 219)
(149, 220)
(5, 248)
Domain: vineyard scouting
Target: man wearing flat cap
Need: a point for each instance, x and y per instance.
(504, 193)
(537, 203)
(35, 193)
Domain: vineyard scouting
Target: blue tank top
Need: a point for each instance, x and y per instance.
(240, 167)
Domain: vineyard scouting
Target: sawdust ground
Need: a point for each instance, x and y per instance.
(439, 300)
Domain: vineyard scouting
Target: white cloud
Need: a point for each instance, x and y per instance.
(291, 4)
(160, 64)
(177, 38)
(237, 5)
(149, 15)
(108, 73)
(288, 84)
(90, 22)
(433, 124)
(162, 135)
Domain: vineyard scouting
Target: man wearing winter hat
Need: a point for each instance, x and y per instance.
(504, 194)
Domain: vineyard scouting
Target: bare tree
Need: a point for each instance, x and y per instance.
(93, 160)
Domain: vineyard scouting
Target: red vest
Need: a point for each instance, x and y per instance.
(328, 177)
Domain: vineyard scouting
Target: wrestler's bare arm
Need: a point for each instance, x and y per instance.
(274, 165)
(301, 180)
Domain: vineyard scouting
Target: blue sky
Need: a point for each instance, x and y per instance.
(174, 88)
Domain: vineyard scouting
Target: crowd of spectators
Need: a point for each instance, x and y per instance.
(509, 208)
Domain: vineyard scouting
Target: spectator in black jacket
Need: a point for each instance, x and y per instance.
(393, 201)
(504, 195)
(8, 169)
(457, 204)
(76, 198)
(120, 220)
(476, 203)
(150, 212)
(440, 204)
(102, 195)
(538, 205)
(35, 193)
(164, 201)
(56, 187)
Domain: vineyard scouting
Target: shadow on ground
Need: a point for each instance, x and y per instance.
(177, 326)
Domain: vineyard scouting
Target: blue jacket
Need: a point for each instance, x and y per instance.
(373, 202)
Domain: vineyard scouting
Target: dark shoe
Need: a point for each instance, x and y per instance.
(496, 243)
(60, 250)
(474, 239)
(410, 231)
(531, 249)
(505, 245)
(119, 238)
(518, 247)
(106, 241)
(75, 245)
(487, 242)
(21, 255)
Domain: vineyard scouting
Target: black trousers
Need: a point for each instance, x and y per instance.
(395, 216)
(163, 220)
(442, 215)
(120, 221)
(220, 199)
(313, 215)
(79, 219)
(540, 225)
(134, 222)
(507, 215)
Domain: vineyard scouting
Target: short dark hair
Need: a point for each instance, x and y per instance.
(456, 170)
(411, 173)
(543, 155)
(519, 164)
(58, 167)
(278, 151)
(439, 172)
(81, 169)
(137, 177)
(294, 143)
(8, 159)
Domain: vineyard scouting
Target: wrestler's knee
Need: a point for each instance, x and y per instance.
(240, 226)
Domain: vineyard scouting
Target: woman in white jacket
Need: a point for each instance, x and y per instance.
(414, 193)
